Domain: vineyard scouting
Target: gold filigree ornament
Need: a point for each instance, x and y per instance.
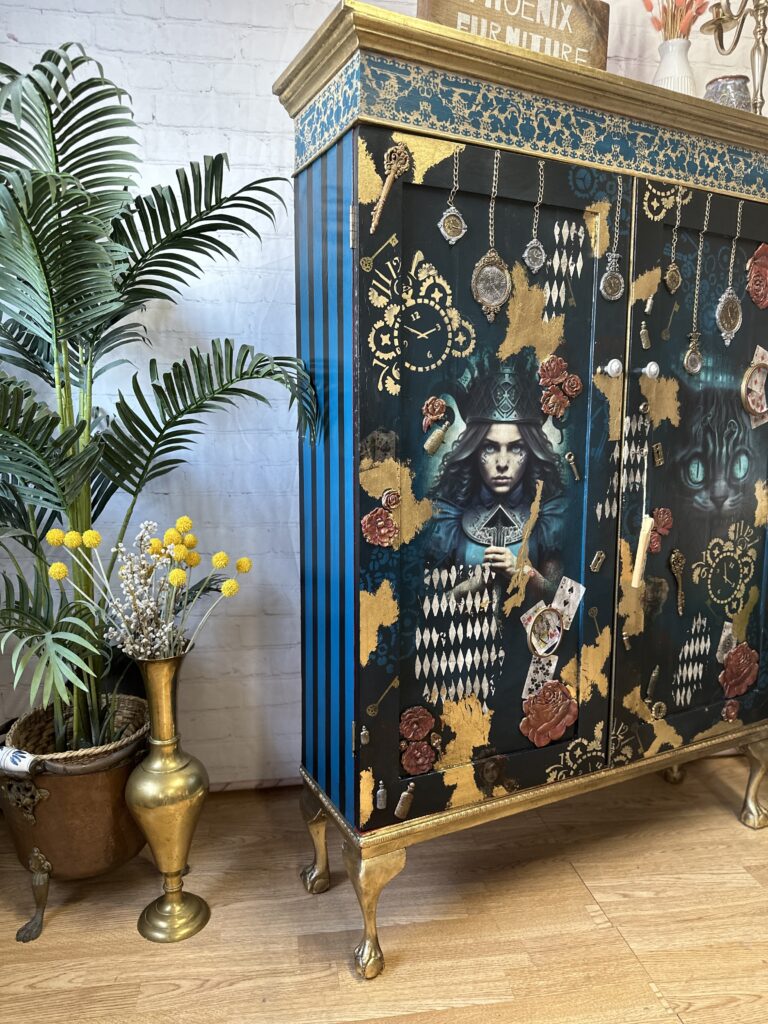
(657, 199)
(420, 328)
(727, 566)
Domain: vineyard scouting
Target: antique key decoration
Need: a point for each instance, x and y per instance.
(397, 160)
(677, 564)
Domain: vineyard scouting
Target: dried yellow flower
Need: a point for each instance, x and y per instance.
(179, 553)
(72, 539)
(91, 538)
(190, 540)
(243, 564)
(58, 571)
(220, 560)
(55, 538)
(177, 577)
(171, 537)
(183, 524)
(193, 559)
(155, 546)
(229, 588)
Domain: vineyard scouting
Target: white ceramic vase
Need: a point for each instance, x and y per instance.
(674, 71)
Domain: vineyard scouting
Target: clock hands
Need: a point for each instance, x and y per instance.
(421, 334)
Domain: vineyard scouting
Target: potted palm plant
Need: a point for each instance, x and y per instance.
(81, 254)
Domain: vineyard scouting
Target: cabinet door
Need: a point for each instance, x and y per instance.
(489, 470)
(692, 661)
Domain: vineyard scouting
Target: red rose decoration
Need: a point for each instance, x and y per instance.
(418, 758)
(433, 410)
(554, 402)
(757, 277)
(739, 670)
(654, 544)
(662, 520)
(572, 385)
(416, 723)
(548, 713)
(379, 527)
(390, 499)
(730, 710)
(553, 370)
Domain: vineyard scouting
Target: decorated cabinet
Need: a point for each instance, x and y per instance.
(533, 527)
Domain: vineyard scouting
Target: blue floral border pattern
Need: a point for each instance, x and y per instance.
(414, 97)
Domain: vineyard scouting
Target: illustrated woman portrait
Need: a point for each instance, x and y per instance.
(488, 480)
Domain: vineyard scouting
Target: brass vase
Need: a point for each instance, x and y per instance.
(165, 794)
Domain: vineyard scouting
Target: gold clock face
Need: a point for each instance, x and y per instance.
(727, 566)
(612, 285)
(423, 335)
(724, 578)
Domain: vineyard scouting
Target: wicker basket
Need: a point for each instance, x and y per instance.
(34, 734)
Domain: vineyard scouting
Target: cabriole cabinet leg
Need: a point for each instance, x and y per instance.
(41, 873)
(369, 878)
(315, 876)
(753, 814)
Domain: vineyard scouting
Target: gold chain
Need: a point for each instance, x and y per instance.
(492, 204)
(539, 199)
(733, 243)
(695, 323)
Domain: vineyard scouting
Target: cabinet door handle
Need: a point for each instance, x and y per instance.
(650, 370)
(613, 368)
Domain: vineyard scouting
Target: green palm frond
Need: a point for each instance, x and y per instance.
(21, 523)
(25, 350)
(146, 438)
(167, 232)
(51, 644)
(65, 117)
(56, 267)
(38, 459)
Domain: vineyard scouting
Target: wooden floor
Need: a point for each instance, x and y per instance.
(638, 904)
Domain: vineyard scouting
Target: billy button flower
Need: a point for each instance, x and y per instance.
(243, 565)
(179, 553)
(91, 538)
(229, 588)
(183, 524)
(220, 560)
(73, 539)
(190, 541)
(192, 559)
(58, 571)
(171, 537)
(55, 538)
(177, 577)
(155, 546)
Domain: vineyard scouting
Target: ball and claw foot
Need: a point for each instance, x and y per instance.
(369, 960)
(674, 775)
(368, 878)
(753, 814)
(41, 872)
(316, 876)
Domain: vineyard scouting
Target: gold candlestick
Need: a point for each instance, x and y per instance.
(724, 18)
(165, 794)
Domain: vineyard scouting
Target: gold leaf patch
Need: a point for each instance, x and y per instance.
(646, 285)
(366, 796)
(661, 395)
(426, 152)
(376, 610)
(612, 388)
(369, 182)
(526, 327)
(596, 216)
(761, 497)
(413, 512)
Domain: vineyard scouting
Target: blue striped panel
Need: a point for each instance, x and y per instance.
(350, 575)
(308, 682)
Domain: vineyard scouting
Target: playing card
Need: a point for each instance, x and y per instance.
(527, 617)
(567, 599)
(539, 672)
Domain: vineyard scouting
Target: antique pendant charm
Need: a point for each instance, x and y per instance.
(728, 315)
(452, 225)
(491, 283)
(612, 282)
(673, 278)
(534, 256)
(693, 360)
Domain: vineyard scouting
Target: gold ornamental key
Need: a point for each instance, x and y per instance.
(397, 160)
(677, 564)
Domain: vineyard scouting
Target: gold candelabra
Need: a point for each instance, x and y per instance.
(724, 19)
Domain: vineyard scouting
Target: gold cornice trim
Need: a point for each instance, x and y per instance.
(396, 837)
(354, 26)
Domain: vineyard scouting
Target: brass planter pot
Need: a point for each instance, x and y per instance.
(165, 794)
(69, 819)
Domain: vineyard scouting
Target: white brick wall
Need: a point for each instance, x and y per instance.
(200, 73)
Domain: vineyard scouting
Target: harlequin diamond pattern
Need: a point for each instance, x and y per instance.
(566, 263)
(609, 507)
(456, 649)
(686, 681)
